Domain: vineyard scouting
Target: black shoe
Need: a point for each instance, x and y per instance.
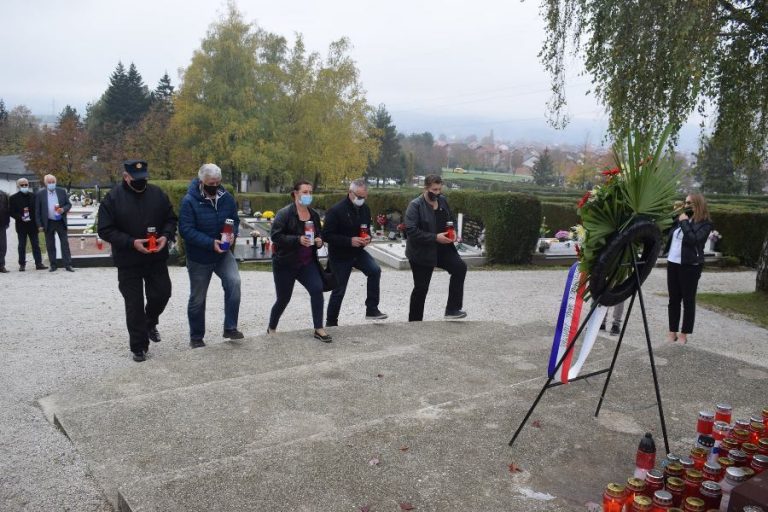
(40, 266)
(139, 357)
(602, 326)
(69, 269)
(332, 323)
(455, 315)
(3, 270)
(154, 334)
(52, 269)
(615, 330)
(196, 343)
(233, 334)
(324, 338)
(375, 314)
(22, 268)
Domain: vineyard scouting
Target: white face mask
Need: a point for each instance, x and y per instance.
(358, 201)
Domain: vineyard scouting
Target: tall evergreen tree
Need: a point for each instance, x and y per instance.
(544, 170)
(388, 164)
(163, 93)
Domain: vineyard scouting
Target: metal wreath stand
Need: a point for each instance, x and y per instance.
(643, 234)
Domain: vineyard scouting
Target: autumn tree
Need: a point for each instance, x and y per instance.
(16, 127)
(260, 108)
(62, 150)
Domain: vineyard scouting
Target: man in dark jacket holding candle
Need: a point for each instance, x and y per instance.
(23, 211)
(125, 217)
(202, 218)
(346, 249)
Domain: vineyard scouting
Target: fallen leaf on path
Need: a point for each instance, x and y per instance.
(365, 508)
(536, 424)
(374, 461)
(406, 506)
(514, 468)
(403, 448)
(380, 375)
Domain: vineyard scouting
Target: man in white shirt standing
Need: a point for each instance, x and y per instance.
(51, 207)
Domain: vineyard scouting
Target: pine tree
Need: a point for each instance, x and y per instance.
(163, 93)
(544, 170)
(388, 164)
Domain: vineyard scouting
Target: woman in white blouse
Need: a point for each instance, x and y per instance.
(684, 262)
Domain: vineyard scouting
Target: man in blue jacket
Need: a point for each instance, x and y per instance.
(202, 219)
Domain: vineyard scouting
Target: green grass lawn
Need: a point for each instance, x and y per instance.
(750, 306)
(483, 175)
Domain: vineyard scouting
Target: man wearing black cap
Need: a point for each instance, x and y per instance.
(137, 219)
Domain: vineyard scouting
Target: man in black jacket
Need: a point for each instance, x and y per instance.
(5, 221)
(346, 249)
(23, 211)
(137, 219)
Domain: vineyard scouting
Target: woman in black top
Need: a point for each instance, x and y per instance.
(294, 257)
(684, 262)
(428, 246)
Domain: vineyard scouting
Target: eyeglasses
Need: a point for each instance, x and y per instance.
(688, 202)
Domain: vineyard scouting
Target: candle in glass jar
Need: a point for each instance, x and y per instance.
(712, 494)
(676, 487)
(693, 504)
(642, 504)
(756, 431)
(662, 501)
(654, 481)
(613, 498)
(692, 479)
(635, 486)
(705, 422)
(759, 463)
(723, 412)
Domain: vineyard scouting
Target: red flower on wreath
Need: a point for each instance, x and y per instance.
(583, 200)
(611, 172)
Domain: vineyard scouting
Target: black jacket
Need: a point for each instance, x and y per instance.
(41, 206)
(287, 229)
(19, 201)
(695, 236)
(342, 222)
(5, 215)
(125, 215)
(421, 243)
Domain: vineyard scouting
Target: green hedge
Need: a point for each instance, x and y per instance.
(743, 233)
(559, 216)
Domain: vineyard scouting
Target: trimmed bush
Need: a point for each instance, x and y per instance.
(559, 215)
(743, 233)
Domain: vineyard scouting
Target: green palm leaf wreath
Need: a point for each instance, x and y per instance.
(643, 185)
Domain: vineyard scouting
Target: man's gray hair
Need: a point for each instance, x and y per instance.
(209, 171)
(357, 184)
(21, 180)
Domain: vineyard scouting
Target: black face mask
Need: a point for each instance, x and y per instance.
(432, 196)
(211, 190)
(138, 185)
(689, 212)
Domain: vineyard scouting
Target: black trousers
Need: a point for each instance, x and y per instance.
(450, 261)
(34, 241)
(133, 281)
(3, 245)
(682, 282)
(57, 227)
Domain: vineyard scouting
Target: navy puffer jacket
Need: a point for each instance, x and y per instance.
(201, 221)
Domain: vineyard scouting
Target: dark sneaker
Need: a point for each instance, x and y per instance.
(325, 338)
(69, 269)
(615, 330)
(52, 269)
(22, 268)
(375, 314)
(3, 270)
(233, 334)
(154, 334)
(196, 343)
(40, 267)
(139, 357)
(455, 315)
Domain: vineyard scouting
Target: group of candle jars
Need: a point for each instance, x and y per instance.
(727, 453)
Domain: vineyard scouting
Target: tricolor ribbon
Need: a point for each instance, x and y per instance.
(568, 325)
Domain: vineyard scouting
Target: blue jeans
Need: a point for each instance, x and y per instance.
(342, 268)
(199, 279)
(285, 277)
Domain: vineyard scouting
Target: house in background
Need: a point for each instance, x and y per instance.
(12, 167)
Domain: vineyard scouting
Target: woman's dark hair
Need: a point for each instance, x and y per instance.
(297, 186)
(432, 179)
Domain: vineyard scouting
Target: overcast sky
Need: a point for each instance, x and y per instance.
(457, 64)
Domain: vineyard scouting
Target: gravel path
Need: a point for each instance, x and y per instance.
(62, 328)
